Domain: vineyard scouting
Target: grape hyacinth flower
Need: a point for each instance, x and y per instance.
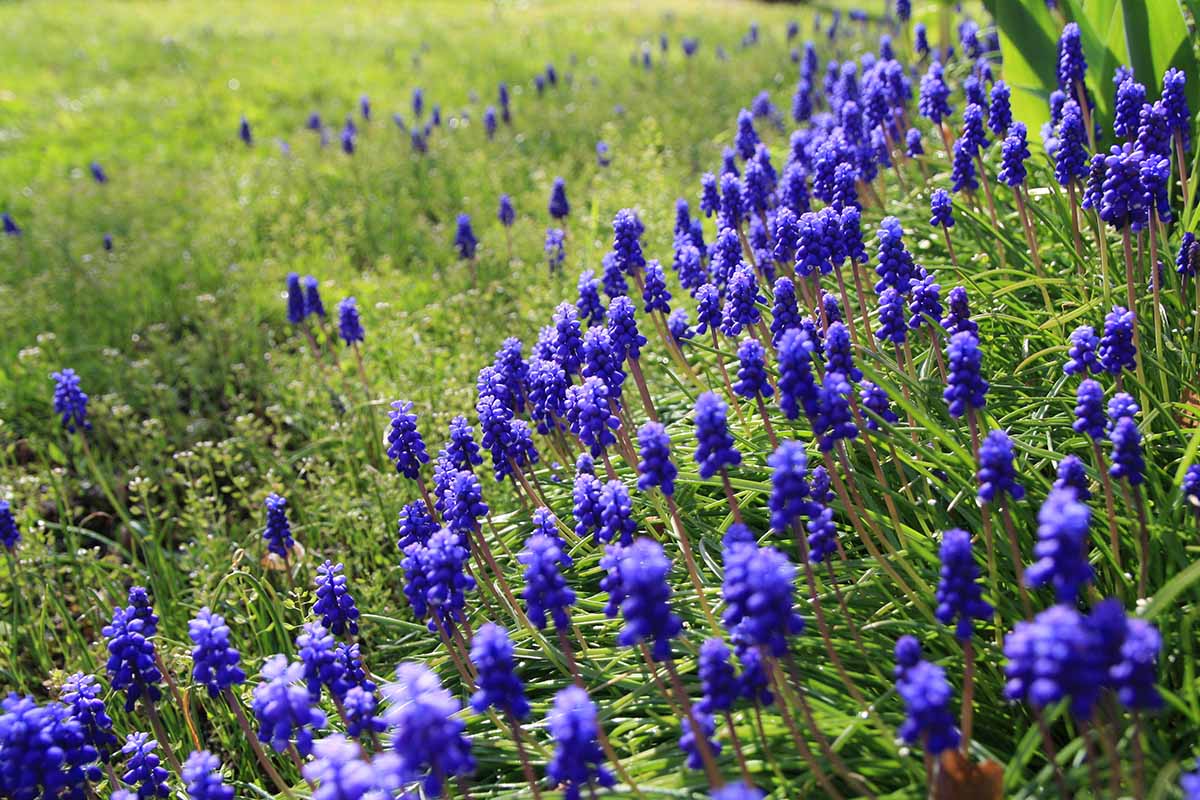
(405, 447)
(558, 206)
(1000, 108)
(132, 660)
(958, 314)
(834, 420)
(80, 695)
(315, 647)
(912, 143)
(718, 682)
(1072, 476)
(646, 593)
(785, 311)
(297, 308)
(589, 416)
(746, 138)
(715, 448)
(622, 327)
(1071, 64)
(464, 238)
(10, 534)
(1116, 350)
(741, 301)
(1089, 410)
(547, 593)
(1127, 460)
(959, 596)
(427, 733)
(1081, 357)
(1014, 152)
(555, 249)
(312, 297)
(589, 305)
(925, 302)
(349, 326)
(1071, 159)
(965, 387)
(656, 297)
(789, 485)
(1174, 99)
(142, 770)
(797, 386)
(507, 215)
(244, 132)
(1061, 551)
(1124, 202)
(616, 514)
(1130, 98)
(997, 476)
(335, 606)
(941, 209)
(926, 695)
(202, 778)
(586, 511)
(655, 467)
(933, 102)
(733, 207)
(70, 402)
(758, 589)
(875, 400)
(568, 339)
(43, 751)
(444, 563)
(752, 370)
(1052, 657)
(896, 268)
(216, 665)
(962, 169)
(498, 684)
(679, 327)
(893, 326)
(577, 760)
(361, 706)
(710, 195)
(284, 708)
(1191, 487)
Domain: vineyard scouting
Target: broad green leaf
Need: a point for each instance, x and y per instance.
(1157, 35)
(1028, 37)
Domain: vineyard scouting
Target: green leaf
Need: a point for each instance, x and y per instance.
(1164, 598)
(1028, 37)
(1157, 36)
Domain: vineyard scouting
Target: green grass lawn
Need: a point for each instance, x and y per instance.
(204, 398)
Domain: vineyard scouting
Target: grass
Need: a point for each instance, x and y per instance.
(205, 400)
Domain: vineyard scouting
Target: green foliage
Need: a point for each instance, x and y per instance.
(1148, 35)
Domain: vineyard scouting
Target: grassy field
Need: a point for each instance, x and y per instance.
(204, 399)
